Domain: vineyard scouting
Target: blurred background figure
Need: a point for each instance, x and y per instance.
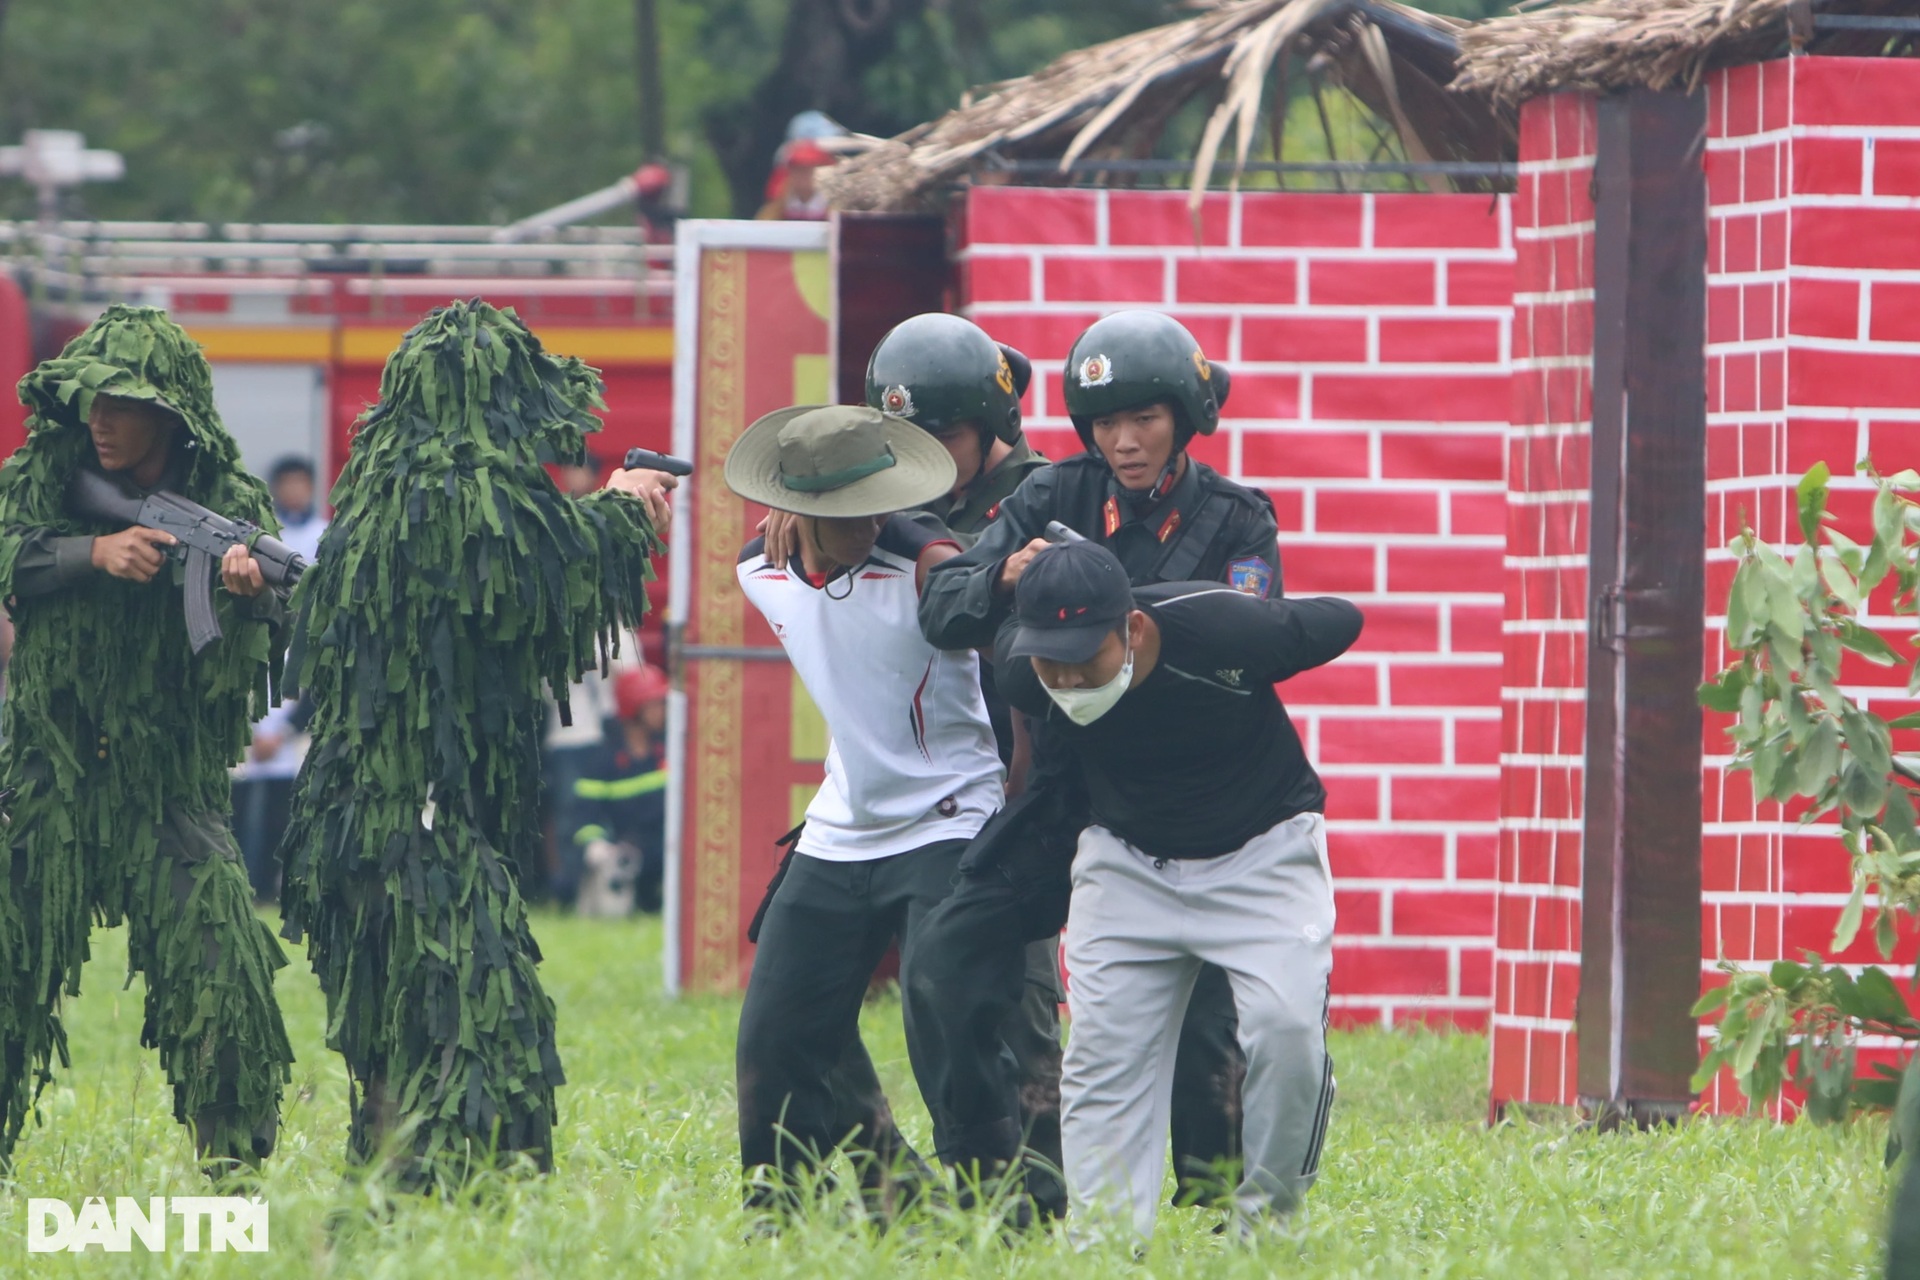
(792, 194)
(622, 802)
(263, 782)
(263, 791)
(296, 502)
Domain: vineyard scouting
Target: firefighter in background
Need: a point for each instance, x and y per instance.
(621, 800)
(1138, 389)
(792, 193)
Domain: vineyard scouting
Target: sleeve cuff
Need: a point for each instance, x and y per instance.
(72, 557)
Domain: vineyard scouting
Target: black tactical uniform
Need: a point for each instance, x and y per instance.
(1192, 525)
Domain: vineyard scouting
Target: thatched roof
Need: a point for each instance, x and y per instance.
(1612, 44)
(1112, 100)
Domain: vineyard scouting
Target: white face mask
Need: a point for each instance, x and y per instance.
(1084, 706)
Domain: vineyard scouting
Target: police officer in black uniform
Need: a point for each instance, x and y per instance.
(948, 377)
(1138, 389)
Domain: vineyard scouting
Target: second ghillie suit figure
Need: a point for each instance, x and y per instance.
(454, 587)
(120, 738)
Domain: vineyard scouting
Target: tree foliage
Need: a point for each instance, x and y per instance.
(486, 110)
(1792, 621)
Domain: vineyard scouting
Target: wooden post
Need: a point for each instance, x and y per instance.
(1640, 910)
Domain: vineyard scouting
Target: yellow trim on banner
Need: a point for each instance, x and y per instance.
(311, 344)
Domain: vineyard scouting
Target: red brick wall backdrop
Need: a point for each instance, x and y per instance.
(1543, 679)
(1369, 339)
(1813, 170)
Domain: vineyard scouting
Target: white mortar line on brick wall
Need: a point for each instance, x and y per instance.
(1234, 220)
(1410, 827)
(1548, 953)
(1551, 297)
(1540, 760)
(1504, 208)
(1567, 164)
(1881, 347)
(1250, 253)
(1417, 711)
(1546, 497)
(1578, 561)
(1366, 220)
(1554, 231)
(1537, 693)
(1852, 275)
(1865, 321)
(1411, 772)
(1518, 1022)
(1102, 222)
(1760, 898)
(985, 312)
(1543, 626)
(1868, 153)
(1440, 282)
(1414, 942)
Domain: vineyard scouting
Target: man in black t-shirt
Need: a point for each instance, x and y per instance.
(1207, 846)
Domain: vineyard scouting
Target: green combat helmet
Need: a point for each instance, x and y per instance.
(1132, 358)
(938, 370)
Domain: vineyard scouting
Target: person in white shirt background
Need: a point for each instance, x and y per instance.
(263, 782)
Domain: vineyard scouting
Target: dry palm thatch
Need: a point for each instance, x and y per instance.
(1113, 100)
(1611, 44)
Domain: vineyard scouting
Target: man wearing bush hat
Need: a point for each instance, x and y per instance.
(911, 776)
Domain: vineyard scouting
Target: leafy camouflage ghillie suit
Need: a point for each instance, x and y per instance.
(118, 741)
(454, 583)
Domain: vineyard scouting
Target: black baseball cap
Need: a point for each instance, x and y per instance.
(1071, 597)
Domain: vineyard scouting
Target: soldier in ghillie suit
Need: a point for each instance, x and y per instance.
(119, 738)
(455, 586)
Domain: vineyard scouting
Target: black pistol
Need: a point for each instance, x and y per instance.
(648, 460)
(202, 538)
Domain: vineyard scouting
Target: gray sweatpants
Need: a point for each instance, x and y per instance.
(1137, 934)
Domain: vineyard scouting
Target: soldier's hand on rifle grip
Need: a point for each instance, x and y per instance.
(241, 572)
(135, 553)
(651, 487)
(1016, 564)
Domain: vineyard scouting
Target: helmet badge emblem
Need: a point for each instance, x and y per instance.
(1200, 364)
(1003, 376)
(1096, 371)
(898, 401)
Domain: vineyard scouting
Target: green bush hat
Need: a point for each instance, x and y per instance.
(838, 461)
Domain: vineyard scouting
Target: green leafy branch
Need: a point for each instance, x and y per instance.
(1791, 622)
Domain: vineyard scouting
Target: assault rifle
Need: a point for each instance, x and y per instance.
(648, 460)
(202, 538)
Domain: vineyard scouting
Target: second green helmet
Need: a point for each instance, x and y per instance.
(938, 370)
(1132, 358)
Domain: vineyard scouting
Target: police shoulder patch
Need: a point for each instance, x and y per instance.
(1252, 576)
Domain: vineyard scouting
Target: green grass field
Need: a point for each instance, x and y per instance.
(1413, 1183)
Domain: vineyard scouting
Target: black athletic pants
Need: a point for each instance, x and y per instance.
(805, 1087)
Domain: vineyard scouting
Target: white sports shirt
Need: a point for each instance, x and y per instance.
(912, 759)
